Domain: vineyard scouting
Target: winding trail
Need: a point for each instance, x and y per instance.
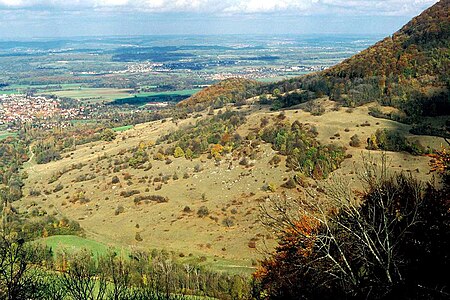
(29, 163)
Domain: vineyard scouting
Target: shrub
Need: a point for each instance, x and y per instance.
(159, 156)
(154, 198)
(138, 237)
(130, 193)
(120, 209)
(58, 188)
(178, 152)
(289, 184)
(202, 211)
(354, 141)
(108, 135)
(275, 160)
(244, 162)
(115, 180)
(35, 192)
(228, 222)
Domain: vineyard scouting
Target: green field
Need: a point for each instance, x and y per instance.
(40, 88)
(122, 128)
(4, 135)
(73, 243)
(93, 95)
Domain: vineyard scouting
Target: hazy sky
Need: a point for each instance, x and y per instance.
(59, 18)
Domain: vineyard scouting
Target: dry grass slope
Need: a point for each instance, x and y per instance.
(229, 235)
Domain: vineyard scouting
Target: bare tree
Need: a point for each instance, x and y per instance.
(118, 271)
(83, 279)
(355, 243)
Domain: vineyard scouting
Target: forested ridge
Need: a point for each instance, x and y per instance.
(227, 91)
(408, 70)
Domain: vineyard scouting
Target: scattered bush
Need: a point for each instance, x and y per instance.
(354, 141)
(390, 140)
(289, 184)
(130, 193)
(202, 211)
(115, 180)
(120, 209)
(198, 168)
(35, 192)
(138, 237)
(276, 159)
(228, 222)
(58, 188)
(154, 198)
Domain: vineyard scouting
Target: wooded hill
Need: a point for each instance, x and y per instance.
(408, 70)
(226, 91)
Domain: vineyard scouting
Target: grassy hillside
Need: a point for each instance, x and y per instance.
(159, 196)
(72, 243)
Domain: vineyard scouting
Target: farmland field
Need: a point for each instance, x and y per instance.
(93, 95)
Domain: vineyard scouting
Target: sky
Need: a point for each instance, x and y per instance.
(65, 18)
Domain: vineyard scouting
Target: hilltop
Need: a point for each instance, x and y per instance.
(408, 70)
(227, 91)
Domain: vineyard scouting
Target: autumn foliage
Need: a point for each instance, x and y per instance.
(394, 245)
(408, 70)
(227, 91)
(441, 164)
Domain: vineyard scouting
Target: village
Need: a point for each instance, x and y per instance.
(18, 108)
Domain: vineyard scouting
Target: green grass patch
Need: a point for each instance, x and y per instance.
(122, 128)
(4, 135)
(72, 243)
(93, 95)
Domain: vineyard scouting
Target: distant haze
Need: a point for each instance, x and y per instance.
(59, 18)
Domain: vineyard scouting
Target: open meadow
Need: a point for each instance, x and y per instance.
(162, 204)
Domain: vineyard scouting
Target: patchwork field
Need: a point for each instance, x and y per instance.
(93, 95)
